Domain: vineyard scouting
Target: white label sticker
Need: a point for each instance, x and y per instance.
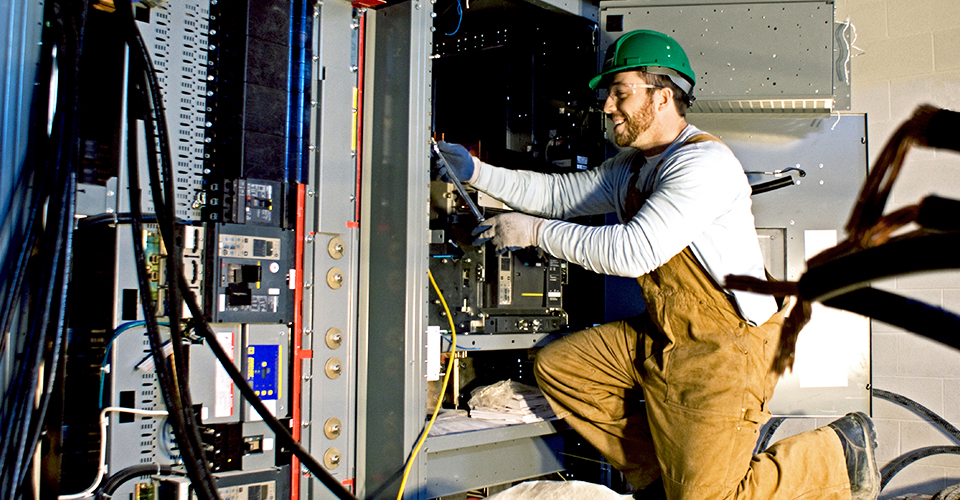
(223, 388)
(433, 353)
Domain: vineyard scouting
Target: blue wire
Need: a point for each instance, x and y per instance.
(460, 12)
(459, 348)
(106, 352)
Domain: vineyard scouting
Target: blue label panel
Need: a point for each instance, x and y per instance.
(263, 370)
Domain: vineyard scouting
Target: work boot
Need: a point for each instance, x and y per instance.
(859, 439)
(652, 491)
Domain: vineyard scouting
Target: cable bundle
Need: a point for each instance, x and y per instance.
(38, 231)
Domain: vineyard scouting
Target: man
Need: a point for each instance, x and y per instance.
(701, 354)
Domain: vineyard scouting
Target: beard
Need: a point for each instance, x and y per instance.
(634, 124)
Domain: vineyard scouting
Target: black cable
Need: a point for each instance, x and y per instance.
(110, 485)
(113, 218)
(42, 299)
(765, 187)
(930, 252)
(156, 134)
(910, 314)
(196, 466)
(901, 462)
(893, 468)
(281, 432)
(920, 409)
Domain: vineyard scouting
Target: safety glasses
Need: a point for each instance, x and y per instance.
(621, 91)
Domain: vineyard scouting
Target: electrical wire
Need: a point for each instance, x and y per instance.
(172, 379)
(204, 329)
(459, 20)
(281, 432)
(106, 352)
(901, 462)
(35, 281)
(191, 451)
(920, 409)
(102, 468)
(443, 388)
(113, 482)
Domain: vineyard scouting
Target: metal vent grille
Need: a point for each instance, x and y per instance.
(177, 33)
(763, 106)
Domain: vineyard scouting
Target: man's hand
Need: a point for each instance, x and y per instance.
(458, 159)
(510, 231)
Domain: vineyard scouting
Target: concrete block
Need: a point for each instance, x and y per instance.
(922, 357)
(951, 397)
(917, 435)
(868, 17)
(945, 54)
(916, 478)
(909, 17)
(888, 439)
(926, 391)
(894, 57)
(870, 97)
(885, 350)
(932, 176)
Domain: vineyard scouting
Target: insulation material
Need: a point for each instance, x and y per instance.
(558, 490)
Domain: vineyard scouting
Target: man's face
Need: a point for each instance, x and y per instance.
(630, 107)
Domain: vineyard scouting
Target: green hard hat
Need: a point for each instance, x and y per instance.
(646, 48)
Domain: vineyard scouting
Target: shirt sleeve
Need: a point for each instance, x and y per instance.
(692, 192)
(558, 196)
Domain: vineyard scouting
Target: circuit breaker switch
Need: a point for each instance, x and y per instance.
(244, 273)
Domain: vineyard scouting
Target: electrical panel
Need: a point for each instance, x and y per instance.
(236, 81)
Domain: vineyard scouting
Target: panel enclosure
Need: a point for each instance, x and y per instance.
(780, 55)
(832, 373)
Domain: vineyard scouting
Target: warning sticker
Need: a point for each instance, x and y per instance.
(223, 407)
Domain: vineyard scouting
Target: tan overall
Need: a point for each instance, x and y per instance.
(705, 378)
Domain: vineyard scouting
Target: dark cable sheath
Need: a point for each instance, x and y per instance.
(42, 300)
(281, 432)
(901, 462)
(156, 134)
(893, 468)
(920, 409)
(121, 218)
(110, 485)
(765, 187)
(937, 323)
(195, 465)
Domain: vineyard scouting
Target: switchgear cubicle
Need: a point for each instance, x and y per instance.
(310, 226)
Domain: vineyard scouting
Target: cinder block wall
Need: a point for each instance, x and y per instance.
(910, 55)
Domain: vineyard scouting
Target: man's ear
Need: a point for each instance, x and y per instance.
(664, 97)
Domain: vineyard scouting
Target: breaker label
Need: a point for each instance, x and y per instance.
(223, 392)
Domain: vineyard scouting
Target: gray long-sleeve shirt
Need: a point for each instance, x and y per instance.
(699, 198)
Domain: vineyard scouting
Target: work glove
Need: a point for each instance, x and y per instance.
(510, 231)
(458, 159)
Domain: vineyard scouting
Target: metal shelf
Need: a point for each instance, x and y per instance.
(463, 461)
(500, 341)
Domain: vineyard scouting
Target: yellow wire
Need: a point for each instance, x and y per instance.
(443, 389)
